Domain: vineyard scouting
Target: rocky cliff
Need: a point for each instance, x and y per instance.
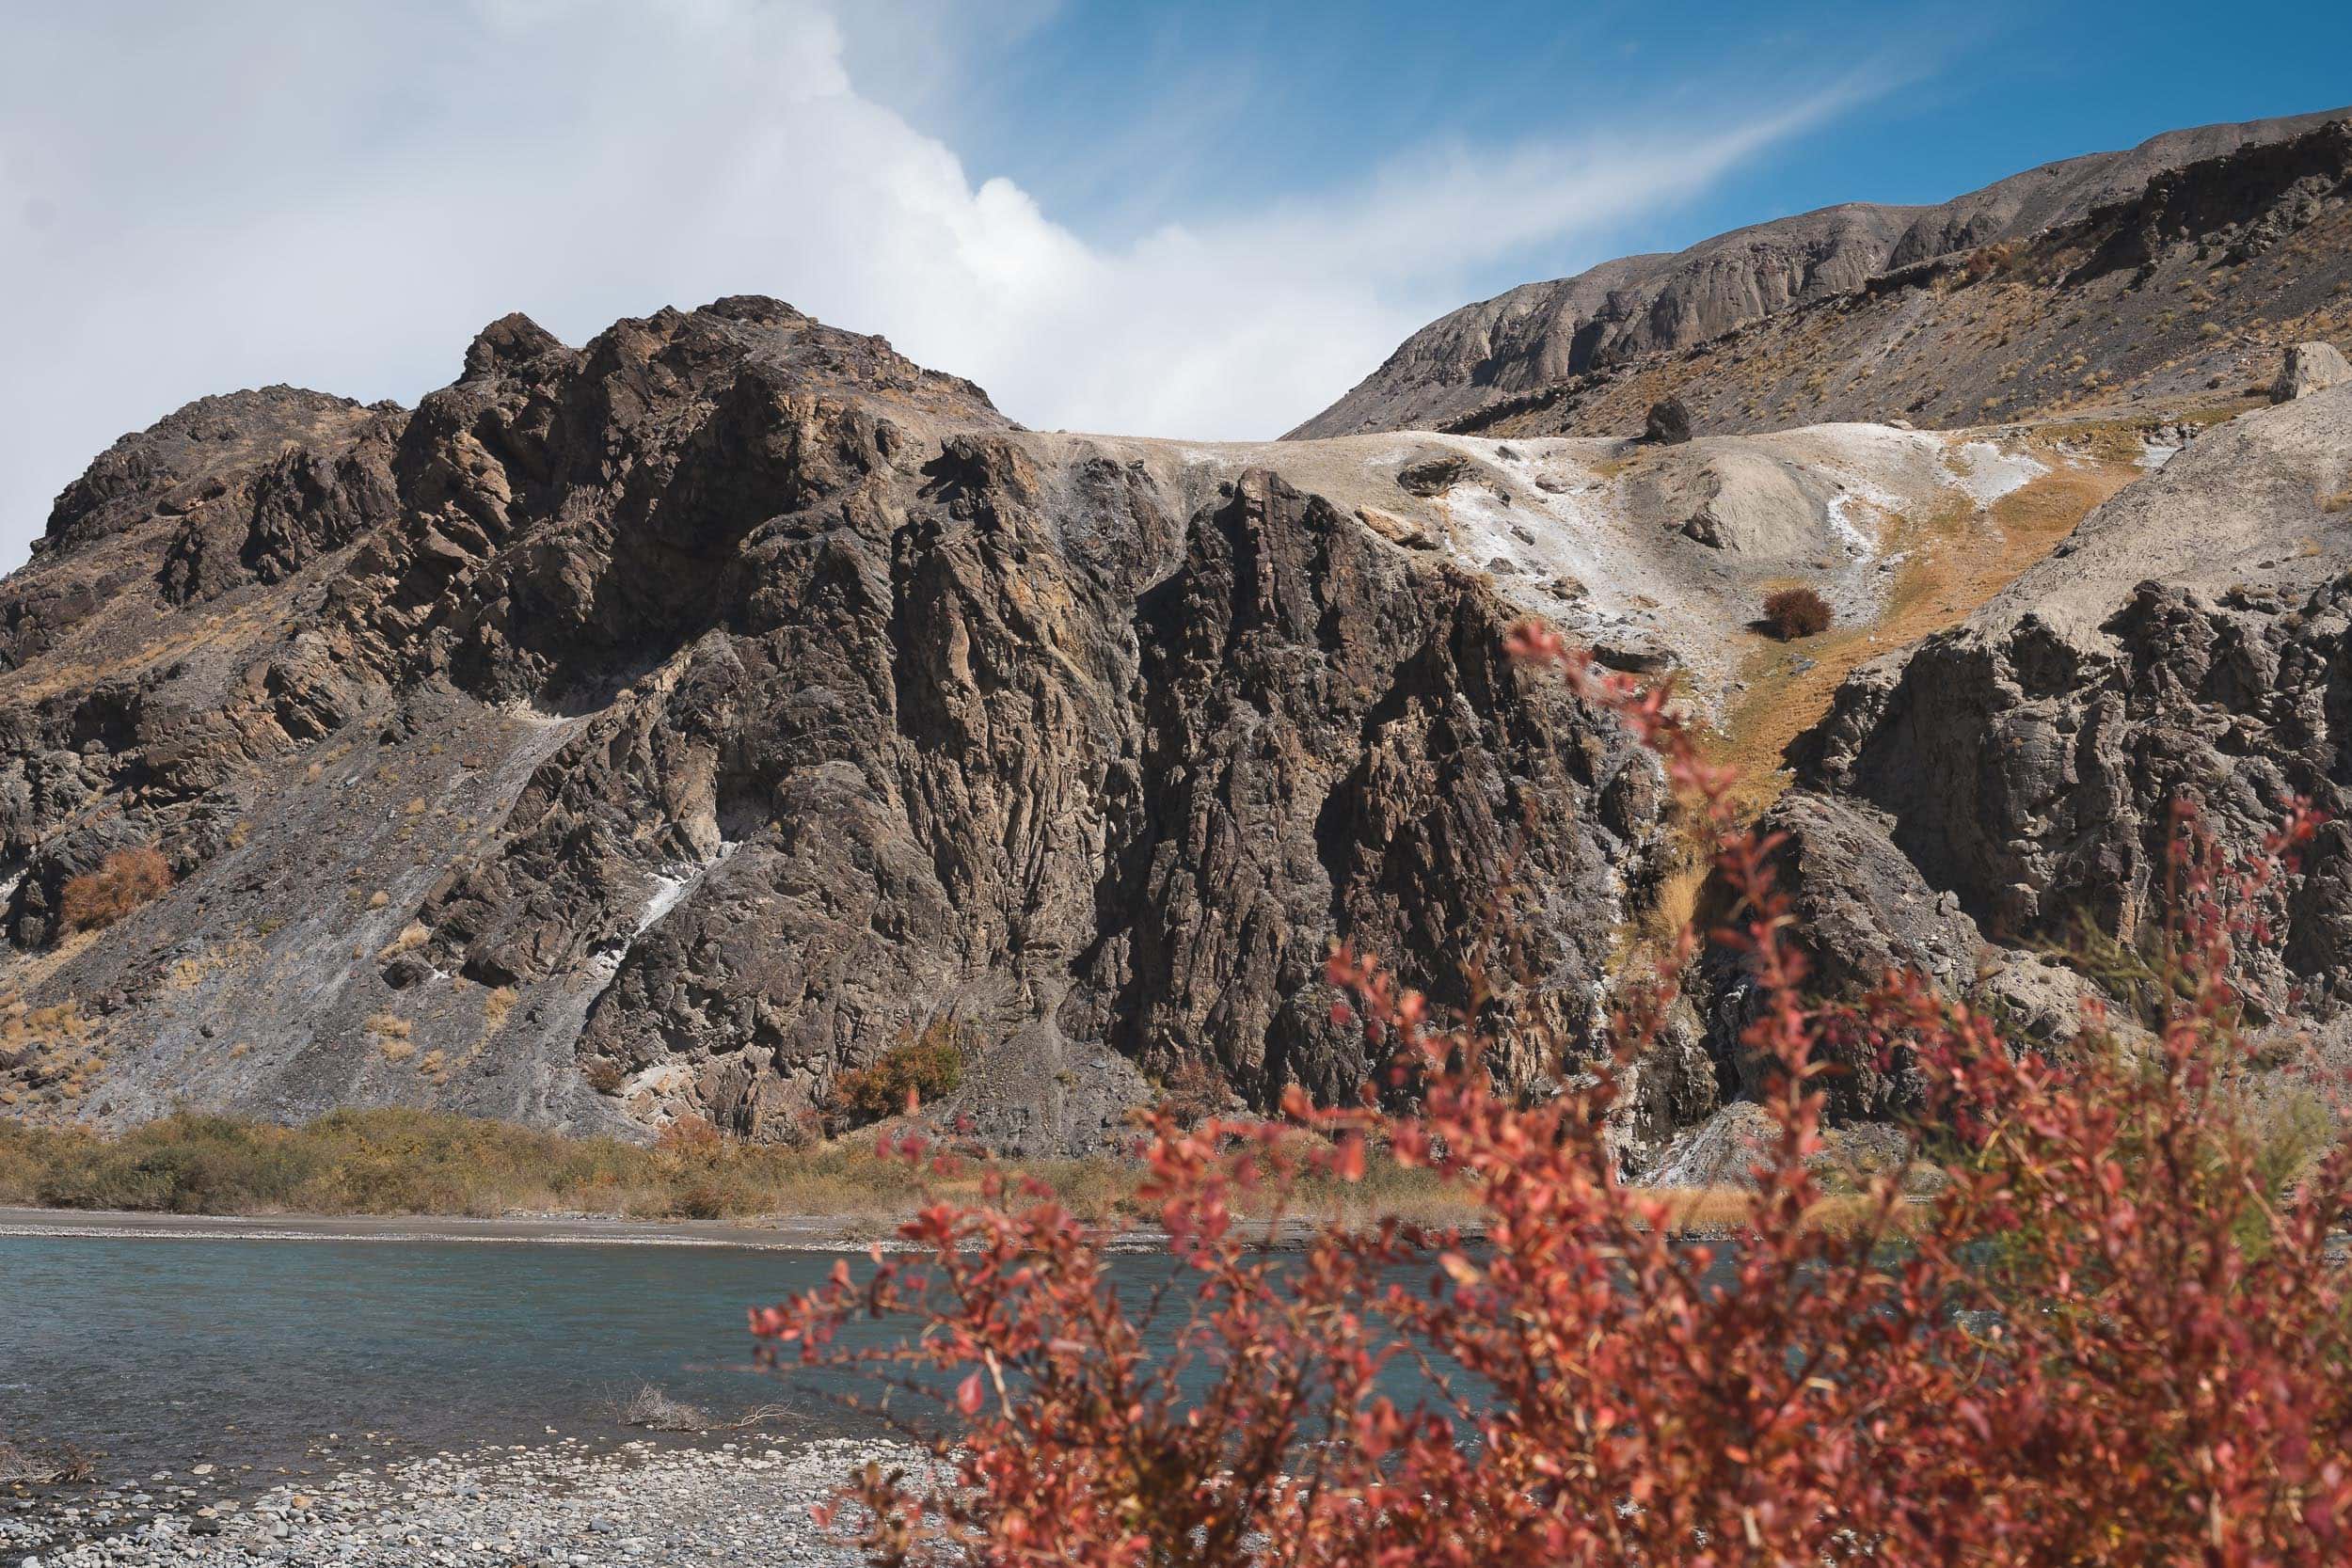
(2187, 642)
(2148, 271)
(670, 724)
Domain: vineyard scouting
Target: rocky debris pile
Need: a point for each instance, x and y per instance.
(566, 1503)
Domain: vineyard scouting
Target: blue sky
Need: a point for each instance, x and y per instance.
(1115, 114)
(1204, 220)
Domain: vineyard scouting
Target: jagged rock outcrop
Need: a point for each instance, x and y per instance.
(2189, 643)
(670, 724)
(2150, 272)
(1863, 912)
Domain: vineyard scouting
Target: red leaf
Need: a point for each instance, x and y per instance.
(1348, 1163)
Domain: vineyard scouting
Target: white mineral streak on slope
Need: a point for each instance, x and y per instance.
(663, 1080)
(670, 888)
(1557, 517)
(1577, 534)
(1589, 531)
(1988, 473)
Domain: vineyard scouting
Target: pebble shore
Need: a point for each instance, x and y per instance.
(641, 1504)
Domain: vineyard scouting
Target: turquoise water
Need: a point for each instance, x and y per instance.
(162, 1352)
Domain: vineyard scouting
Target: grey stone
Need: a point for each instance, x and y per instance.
(2307, 367)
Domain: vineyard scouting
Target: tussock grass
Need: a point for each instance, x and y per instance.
(410, 1161)
(1727, 1211)
(430, 1163)
(122, 883)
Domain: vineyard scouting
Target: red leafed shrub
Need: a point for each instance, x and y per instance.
(1794, 612)
(123, 881)
(2114, 1336)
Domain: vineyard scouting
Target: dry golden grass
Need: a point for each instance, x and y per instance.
(123, 881)
(393, 1162)
(430, 1163)
(1958, 561)
(412, 935)
(48, 1054)
(390, 1033)
(1611, 467)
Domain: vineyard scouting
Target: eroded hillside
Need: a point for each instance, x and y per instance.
(2169, 277)
(671, 725)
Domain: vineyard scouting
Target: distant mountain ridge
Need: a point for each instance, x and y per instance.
(1541, 335)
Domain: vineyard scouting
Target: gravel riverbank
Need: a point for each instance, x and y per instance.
(641, 1504)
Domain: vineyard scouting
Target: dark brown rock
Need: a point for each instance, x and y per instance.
(1667, 425)
(666, 725)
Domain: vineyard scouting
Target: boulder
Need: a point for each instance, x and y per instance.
(1668, 423)
(2309, 368)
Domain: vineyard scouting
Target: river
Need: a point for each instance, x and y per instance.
(161, 1352)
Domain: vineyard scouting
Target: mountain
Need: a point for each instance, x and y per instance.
(2091, 280)
(671, 725)
(677, 724)
(668, 725)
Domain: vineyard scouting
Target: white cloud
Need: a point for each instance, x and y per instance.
(197, 199)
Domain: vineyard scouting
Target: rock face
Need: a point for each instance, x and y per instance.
(667, 725)
(2132, 267)
(1863, 912)
(2193, 642)
(2310, 367)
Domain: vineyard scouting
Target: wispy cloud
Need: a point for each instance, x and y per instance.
(193, 199)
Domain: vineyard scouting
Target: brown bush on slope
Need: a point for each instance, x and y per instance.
(929, 1066)
(1795, 612)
